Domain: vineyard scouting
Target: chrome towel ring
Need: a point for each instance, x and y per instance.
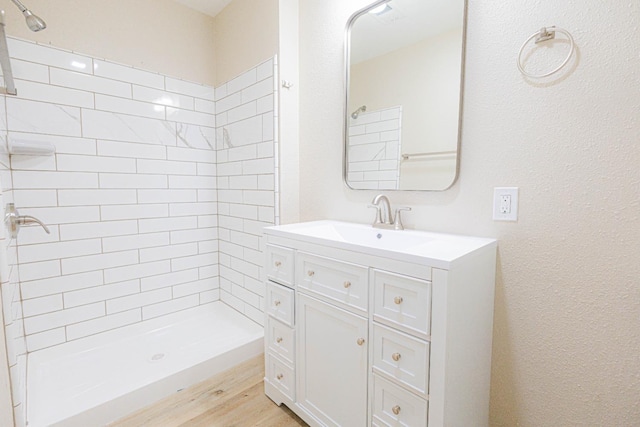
(543, 35)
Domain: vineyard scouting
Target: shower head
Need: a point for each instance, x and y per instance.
(34, 22)
(355, 114)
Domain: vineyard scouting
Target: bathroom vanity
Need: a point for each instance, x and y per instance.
(378, 327)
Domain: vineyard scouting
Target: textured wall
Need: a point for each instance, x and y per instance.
(567, 320)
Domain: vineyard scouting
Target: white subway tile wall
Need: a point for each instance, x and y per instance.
(246, 171)
(12, 307)
(153, 207)
(374, 149)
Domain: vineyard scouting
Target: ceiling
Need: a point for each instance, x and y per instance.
(208, 7)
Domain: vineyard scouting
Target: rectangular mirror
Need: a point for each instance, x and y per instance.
(404, 69)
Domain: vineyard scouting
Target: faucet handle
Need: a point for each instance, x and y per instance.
(398, 218)
(378, 219)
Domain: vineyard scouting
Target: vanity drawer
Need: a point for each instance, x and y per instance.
(394, 406)
(402, 357)
(279, 302)
(280, 340)
(280, 375)
(280, 264)
(402, 301)
(339, 281)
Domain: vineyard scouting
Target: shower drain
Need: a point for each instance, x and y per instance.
(156, 357)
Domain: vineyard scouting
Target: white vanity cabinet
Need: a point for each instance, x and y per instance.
(387, 335)
(332, 363)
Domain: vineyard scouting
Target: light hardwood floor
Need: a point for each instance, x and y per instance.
(234, 398)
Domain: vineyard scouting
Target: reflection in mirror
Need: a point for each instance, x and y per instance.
(403, 101)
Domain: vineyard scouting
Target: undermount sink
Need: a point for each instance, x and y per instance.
(409, 245)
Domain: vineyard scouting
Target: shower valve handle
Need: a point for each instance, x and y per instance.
(14, 220)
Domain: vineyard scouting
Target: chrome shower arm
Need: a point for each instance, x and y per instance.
(22, 7)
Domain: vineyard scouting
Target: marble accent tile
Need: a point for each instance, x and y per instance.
(194, 136)
(39, 117)
(121, 127)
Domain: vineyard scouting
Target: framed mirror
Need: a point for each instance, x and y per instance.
(403, 102)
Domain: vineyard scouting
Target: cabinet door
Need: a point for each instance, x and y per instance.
(332, 363)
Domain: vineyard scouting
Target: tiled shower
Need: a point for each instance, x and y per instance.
(375, 149)
(155, 198)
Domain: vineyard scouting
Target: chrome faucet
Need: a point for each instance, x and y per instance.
(384, 219)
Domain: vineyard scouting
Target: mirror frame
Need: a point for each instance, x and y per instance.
(347, 72)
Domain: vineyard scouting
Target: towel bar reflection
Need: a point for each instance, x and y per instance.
(439, 154)
(14, 220)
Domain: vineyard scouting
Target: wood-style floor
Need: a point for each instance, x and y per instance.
(234, 398)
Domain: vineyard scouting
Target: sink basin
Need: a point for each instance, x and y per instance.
(409, 245)
(364, 235)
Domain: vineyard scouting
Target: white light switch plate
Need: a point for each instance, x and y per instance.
(505, 204)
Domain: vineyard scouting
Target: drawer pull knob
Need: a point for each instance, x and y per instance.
(396, 356)
(360, 341)
(279, 339)
(279, 376)
(398, 300)
(310, 273)
(347, 284)
(396, 410)
(276, 302)
(277, 263)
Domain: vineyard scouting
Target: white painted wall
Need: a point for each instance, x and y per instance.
(567, 329)
(246, 33)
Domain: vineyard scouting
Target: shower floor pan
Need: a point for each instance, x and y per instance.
(101, 378)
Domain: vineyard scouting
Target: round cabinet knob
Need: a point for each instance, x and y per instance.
(279, 339)
(360, 341)
(279, 376)
(347, 284)
(276, 302)
(398, 300)
(277, 263)
(310, 273)
(396, 410)
(396, 356)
